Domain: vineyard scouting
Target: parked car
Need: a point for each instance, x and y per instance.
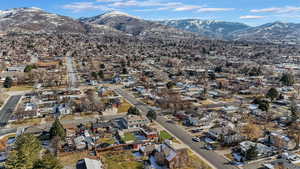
(209, 147)
(196, 139)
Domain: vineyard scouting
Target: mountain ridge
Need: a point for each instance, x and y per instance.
(210, 28)
(36, 20)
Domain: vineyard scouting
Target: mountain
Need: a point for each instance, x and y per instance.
(276, 32)
(211, 29)
(35, 20)
(135, 26)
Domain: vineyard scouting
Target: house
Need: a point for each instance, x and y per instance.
(292, 157)
(87, 163)
(62, 109)
(219, 133)
(262, 150)
(167, 155)
(30, 106)
(89, 142)
(133, 121)
(147, 149)
(233, 139)
(99, 127)
(281, 141)
(80, 143)
(149, 132)
(281, 164)
(191, 121)
(181, 115)
(16, 69)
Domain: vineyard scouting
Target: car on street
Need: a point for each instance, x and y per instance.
(196, 139)
(209, 147)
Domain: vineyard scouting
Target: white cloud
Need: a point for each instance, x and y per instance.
(187, 8)
(108, 0)
(286, 9)
(84, 6)
(252, 17)
(139, 5)
(125, 3)
(214, 9)
(148, 3)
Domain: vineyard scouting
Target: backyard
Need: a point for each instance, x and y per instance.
(128, 137)
(120, 160)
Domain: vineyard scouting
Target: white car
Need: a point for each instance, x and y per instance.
(196, 139)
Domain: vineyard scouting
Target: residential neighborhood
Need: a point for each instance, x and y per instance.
(95, 94)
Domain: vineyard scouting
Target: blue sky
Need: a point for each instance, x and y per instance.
(252, 12)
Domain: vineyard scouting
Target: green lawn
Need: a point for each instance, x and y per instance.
(128, 137)
(164, 135)
(108, 140)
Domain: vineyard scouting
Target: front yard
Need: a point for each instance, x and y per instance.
(163, 135)
(123, 108)
(27, 122)
(196, 162)
(20, 88)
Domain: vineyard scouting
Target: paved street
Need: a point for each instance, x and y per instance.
(8, 108)
(71, 74)
(212, 157)
(7, 130)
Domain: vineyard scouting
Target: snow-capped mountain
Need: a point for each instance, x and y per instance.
(276, 32)
(133, 25)
(35, 20)
(38, 21)
(212, 29)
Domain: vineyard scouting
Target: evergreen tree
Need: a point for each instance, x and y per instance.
(133, 111)
(28, 68)
(218, 69)
(124, 71)
(287, 79)
(94, 75)
(255, 71)
(272, 94)
(27, 152)
(251, 153)
(15, 160)
(48, 161)
(8, 82)
(151, 115)
(264, 105)
(170, 85)
(101, 74)
(57, 129)
(294, 110)
(212, 76)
